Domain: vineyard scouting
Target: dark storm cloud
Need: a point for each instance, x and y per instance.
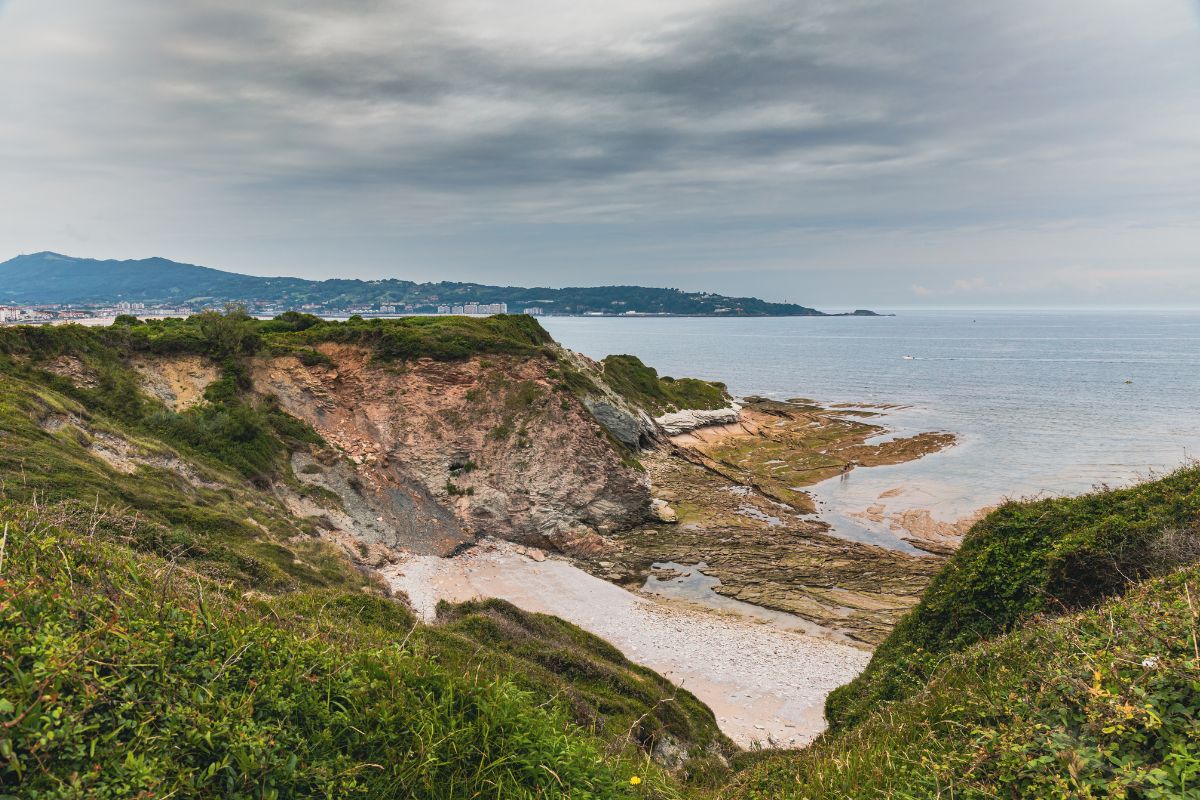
(748, 141)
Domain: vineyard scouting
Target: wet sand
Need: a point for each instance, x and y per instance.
(765, 683)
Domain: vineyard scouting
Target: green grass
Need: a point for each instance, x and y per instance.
(1048, 556)
(123, 677)
(1045, 660)
(224, 528)
(286, 679)
(604, 691)
(1103, 703)
(445, 338)
(642, 386)
(248, 435)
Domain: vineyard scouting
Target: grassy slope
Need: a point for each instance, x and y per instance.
(1062, 708)
(642, 386)
(559, 690)
(230, 531)
(124, 677)
(1015, 677)
(1025, 558)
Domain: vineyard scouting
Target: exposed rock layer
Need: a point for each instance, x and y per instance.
(678, 422)
(177, 381)
(495, 441)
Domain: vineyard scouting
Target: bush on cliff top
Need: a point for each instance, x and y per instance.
(642, 386)
(1047, 556)
(444, 338)
(222, 336)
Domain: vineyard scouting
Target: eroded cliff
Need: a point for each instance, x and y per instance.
(432, 454)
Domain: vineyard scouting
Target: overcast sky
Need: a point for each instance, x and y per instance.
(837, 153)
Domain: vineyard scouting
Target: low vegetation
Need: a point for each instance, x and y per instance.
(1044, 660)
(1027, 558)
(126, 677)
(1102, 703)
(444, 338)
(642, 386)
(167, 628)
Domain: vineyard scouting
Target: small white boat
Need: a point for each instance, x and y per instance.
(908, 358)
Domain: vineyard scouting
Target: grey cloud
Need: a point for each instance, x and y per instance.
(730, 140)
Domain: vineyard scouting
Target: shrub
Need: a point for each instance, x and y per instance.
(312, 358)
(451, 338)
(641, 386)
(454, 490)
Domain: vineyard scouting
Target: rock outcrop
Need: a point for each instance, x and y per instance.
(74, 370)
(177, 381)
(632, 428)
(678, 422)
(441, 452)
(627, 423)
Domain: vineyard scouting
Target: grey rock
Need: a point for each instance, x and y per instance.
(663, 512)
(679, 422)
(630, 428)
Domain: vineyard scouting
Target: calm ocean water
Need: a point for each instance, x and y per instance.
(1039, 400)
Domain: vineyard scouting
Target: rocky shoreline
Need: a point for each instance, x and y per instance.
(731, 496)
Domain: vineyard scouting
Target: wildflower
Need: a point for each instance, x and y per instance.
(635, 780)
(1150, 662)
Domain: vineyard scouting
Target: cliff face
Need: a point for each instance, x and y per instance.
(437, 453)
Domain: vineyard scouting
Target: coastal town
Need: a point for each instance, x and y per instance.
(62, 313)
(93, 314)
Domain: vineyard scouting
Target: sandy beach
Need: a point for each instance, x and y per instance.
(763, 683)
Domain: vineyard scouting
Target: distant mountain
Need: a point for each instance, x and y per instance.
(51, 278)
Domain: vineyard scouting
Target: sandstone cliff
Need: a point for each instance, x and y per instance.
(431, 454)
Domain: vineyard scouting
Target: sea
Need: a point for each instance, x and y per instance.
(1043, 403)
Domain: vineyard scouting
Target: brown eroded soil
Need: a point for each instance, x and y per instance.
(178, 381)
(438, 453)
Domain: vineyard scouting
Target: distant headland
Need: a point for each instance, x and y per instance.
(50, 281)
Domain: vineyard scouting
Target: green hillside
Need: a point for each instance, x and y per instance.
(643, 386)
(51, 278)
(1045, 660)
(1100, 704)
(168, 629)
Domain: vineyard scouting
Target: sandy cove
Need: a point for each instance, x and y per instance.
(763, 683)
